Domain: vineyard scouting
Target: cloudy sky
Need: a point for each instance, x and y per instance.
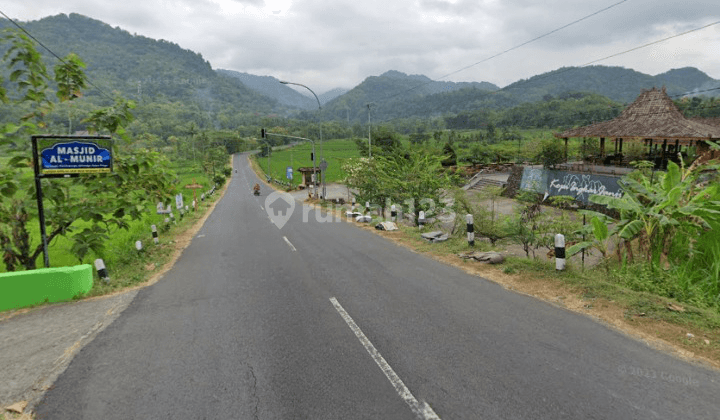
(338, 43)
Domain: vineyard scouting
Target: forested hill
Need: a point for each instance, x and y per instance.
(617, 83)
(394, 94)
(271, 87)
(141, 68)
(285, 95)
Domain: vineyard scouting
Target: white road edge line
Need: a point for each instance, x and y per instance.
(289, 243)
(420, 408)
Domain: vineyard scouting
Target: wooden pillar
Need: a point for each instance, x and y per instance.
(566, 149)
(616, 145)
(602, 147)
(663, 163)
(621, 142)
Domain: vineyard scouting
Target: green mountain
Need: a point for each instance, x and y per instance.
(686, 78)
(331, 94)
(617, 83)
(397, 95)
(272, 88)
(141, 68)
(174, 86)
(285, 95)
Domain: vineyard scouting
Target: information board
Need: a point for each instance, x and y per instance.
(72, 155)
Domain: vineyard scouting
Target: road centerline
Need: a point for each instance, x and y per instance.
(420, 408)
(289, 243)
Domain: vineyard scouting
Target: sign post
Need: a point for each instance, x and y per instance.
(66, 157)
(194, 186)
(323, 168)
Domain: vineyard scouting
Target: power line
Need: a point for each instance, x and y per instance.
(533, 40)
(536, 78)
(90, 82)
(510, 49)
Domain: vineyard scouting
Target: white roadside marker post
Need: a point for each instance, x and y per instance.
(559, 252)
(153, 228)
(421, 219)
(470, 229)
(393, 213)
(101, 270)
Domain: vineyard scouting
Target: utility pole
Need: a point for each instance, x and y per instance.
(320, 129)
(369, 128)
(313, 154)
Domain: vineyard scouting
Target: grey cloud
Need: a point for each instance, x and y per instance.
(340, 42)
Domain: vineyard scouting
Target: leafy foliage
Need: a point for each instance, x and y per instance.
(673, 219)
(106, 202)
(551, 153)
(413, 176)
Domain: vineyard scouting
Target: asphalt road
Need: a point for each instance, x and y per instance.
(321, 320)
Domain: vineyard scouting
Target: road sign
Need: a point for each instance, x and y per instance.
(67, 155)
(289, 173)
(323, 165)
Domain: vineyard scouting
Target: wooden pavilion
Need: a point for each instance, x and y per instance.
(654, 120)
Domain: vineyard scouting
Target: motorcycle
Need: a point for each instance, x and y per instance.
(256, 192)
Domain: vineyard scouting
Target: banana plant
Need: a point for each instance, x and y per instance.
(652, 211)
(601, 235)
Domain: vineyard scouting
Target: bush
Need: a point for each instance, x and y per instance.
(551, 153)
(219, 180)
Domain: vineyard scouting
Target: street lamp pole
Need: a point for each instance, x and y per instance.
(369, 127)
(320, 127)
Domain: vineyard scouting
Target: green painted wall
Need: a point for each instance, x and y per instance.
(25, 288)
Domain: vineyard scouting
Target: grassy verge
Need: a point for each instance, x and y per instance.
(335, 152)
(128, 267)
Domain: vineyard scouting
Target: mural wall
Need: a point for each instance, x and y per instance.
(578, 185)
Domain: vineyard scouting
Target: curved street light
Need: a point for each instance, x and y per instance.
(319, 125)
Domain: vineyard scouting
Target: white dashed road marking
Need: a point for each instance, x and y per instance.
(420, 408)
(290, 244)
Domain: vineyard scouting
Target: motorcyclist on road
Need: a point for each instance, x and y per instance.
(256, 189)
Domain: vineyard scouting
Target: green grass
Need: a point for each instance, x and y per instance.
(120, 253)
(335, 152)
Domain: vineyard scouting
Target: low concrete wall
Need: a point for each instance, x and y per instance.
(26, 288)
